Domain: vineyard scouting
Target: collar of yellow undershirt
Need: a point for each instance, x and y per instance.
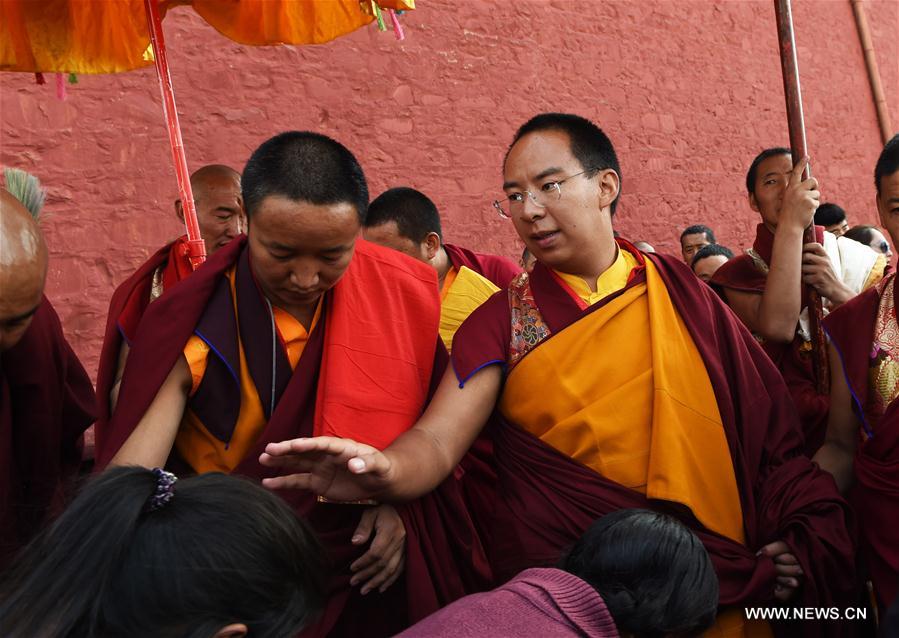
(613, 279)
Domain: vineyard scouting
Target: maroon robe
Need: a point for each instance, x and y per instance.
(499, 270)
(127, 306)
(440, 537)
(477, 470)
(875, 494)
(551, 499)
(46, 404)
(792, 359)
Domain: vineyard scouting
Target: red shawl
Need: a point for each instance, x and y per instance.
(875, 494)
(126, 309)
(551, 499)
(46, 404)
(499, 270)
(796, 366)
(439, 538)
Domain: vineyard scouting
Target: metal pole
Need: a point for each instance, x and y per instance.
(196, 248)
(793, 95)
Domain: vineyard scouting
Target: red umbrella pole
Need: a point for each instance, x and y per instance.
(196, 249)
(790, 68)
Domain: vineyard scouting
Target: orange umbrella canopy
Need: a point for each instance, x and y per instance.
(109, 36)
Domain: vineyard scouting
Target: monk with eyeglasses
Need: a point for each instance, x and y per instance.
(610, 379)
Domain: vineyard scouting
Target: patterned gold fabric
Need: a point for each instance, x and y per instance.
(884, 371)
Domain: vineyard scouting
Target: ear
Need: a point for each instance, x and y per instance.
(179, 210)
(432, 245)
(234, 630)
(753, 204)
(609, 187)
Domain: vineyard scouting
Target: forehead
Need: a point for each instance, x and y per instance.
(889, 186)
(538, 151)
(775, 164)
(694, 238)
(303, 225)
(219, 186)
(21, 293)
(388, 231)
(711, 260)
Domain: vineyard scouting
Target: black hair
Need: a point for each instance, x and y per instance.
(589, 144)
(862, 233)
(224, 550)
(414, 213)
(829, 214)
(653, 573)
(710, 251)
(888, 162)
(304, 167)
(761, 157)
(697, 229)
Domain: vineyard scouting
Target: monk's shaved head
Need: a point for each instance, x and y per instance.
(219, 204)
(23, 269)
(212, 173)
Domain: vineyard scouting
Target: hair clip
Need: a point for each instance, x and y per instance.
(164, 492)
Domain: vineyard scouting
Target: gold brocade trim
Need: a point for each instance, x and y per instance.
(883, 375)
(528, 326)
(757, 261)
(156, 288)
(876, 274)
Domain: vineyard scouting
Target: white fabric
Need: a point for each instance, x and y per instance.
(851, 261)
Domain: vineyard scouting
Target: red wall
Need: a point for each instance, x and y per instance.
(689, 91)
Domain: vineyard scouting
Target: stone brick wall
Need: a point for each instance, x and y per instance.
(689, 91)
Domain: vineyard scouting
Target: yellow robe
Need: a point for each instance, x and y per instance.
(652, 424)
(463, 291)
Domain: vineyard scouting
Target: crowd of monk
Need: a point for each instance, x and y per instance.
(378, 432)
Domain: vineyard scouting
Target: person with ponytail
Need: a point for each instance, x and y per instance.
(141, 554)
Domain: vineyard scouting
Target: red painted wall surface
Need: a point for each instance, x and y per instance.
(689, 91)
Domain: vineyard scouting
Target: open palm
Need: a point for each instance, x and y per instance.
(338, 469)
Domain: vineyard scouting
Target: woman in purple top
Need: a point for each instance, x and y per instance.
(634, 573)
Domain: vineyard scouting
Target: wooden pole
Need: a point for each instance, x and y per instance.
(880, 100)
(196, 248)
(793, 95)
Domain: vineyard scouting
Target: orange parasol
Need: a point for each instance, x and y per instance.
(111, 36)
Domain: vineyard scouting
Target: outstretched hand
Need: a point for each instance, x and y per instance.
(337, 469)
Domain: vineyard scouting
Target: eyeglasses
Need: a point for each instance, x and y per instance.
(549, 193)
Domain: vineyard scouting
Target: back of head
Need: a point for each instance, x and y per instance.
(304, 167)
(829, 214)
(710, 251)
(752, 173)
(653, 573)
(23, 269)
(862, 233)
(589, 144)
(223, 550)
(415, 214)
(697, 229)
(22, 244)
(888, 162)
